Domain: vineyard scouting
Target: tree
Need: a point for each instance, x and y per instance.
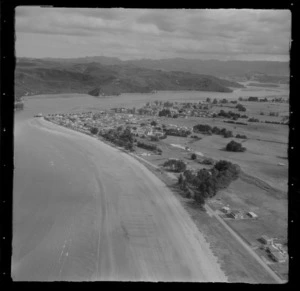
(228, 133)
(241, 136)
(215, 101)
(208, 100)
(240, 107)
(154, 123)
(193, 156)
(165, 112)
(180, 179)
(206, 183)
(253, 99)
(94, 130)
(235, 147)
(252, 119)
(154, 138)
(168, 104)
(204, 128)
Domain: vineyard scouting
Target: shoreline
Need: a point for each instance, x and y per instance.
(163, 177)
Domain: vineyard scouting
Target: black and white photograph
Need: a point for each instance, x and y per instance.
(151, 145)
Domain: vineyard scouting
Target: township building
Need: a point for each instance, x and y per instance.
(236, 214)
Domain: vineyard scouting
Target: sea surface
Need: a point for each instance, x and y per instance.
(52, 175)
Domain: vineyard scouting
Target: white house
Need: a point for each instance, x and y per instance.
(252, 214)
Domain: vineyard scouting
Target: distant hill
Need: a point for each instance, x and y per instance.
(264, 78)
(41, 76)
(216, 67)
(208, 67)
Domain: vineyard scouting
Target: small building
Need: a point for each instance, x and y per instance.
(252, 214)
(276, 255)
(266, 240)
(236, 214)
(225, 209)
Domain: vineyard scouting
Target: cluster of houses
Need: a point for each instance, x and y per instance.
(106, 120)
(275, 250)
(135, 119)
(237, 214)
(177, 109)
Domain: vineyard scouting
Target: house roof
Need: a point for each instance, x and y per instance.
(236, 212)
(277, 255)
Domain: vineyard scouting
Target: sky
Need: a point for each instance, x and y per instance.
(222, 34)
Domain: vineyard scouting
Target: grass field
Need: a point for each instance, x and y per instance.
(264, 193)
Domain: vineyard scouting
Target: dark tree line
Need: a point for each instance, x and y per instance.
(231, 115)
(207, 129)
(120, 137)
(149, 147)
(206, 183)
(177, 132)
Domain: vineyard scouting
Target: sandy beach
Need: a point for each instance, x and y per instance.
(131, 227)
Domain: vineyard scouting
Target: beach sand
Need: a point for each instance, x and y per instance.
(131, 228)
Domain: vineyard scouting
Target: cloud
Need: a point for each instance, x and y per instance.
(160, 32)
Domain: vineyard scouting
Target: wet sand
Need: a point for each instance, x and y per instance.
(127, 225)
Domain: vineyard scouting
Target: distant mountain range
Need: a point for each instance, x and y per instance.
(208, 67)
(106, 76)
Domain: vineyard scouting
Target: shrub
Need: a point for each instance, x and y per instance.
(228, 133)
(146, 146)
(253, 99)
(203, 128)
(252, 119)
(154, 138)
(195, 136)
(241, 136)
(240, 107)
(229, 114)
(216, 130)
(207, 161)
(177, 132)
(94, 130)
(180, 179)
(165, 112)
(235, 147)
(274, 114)
(193, 156)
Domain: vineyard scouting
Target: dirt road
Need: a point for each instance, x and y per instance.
(126, 225)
